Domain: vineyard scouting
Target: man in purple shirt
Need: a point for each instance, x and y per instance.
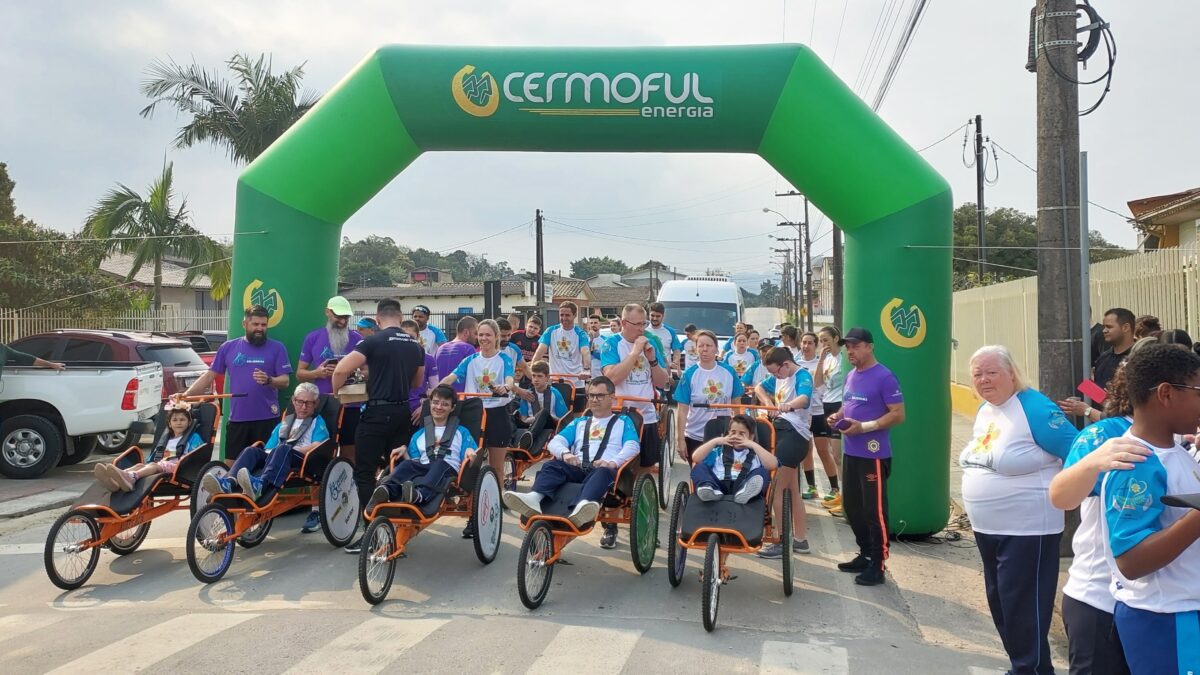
(871, 404)
(452, 353)
(416, 395)
(321, 351)
(257, 368)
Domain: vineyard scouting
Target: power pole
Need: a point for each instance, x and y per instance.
(835, 269)
(1059, 339)
(808, 267)
(541, 272)
(981, 254)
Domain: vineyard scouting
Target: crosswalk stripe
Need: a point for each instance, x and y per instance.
(779, 658)
(16, 625)
(976, 670)
(145, 648)
(368, 647)
(596, 650)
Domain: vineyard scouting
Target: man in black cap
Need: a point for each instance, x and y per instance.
(871, 404)
(432, 337)
(395, 364)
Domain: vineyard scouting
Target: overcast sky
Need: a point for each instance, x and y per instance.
(70, 130)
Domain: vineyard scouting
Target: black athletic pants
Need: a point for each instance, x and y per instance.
(864, 500)
(1020, 577)
(381, 428)
(1093, 646)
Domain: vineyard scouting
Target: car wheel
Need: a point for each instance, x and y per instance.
(113, 442)
(30, 445)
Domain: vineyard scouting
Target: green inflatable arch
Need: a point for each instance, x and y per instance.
(778, 101)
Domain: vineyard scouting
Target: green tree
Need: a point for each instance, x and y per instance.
(651, 264)
(1012, 240)
(768, 294)
(8, 208)
(244, 117)
(462, 265)
(586, 268)
(374, 261)
(152, 229)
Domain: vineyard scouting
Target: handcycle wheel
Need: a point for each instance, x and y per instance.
(128, 541)
(256, 535)
(200, 496)
(488, 516)
(376, 565)
(510, 472)
(643, 523)
(533, 570)
(338, 503)
(69, 561)
(785, 530)
(710, 591)
(667, 457)
(676, 552)
(208, 556)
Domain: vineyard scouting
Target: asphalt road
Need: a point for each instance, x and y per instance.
(293, 605)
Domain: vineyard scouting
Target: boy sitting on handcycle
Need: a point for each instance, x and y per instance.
(544, 410)
(175, 445)
(434, 451)
(259, 469)
(588, 451)
(732, 464)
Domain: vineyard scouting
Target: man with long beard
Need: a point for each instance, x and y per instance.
(256, 368)
(319, 355)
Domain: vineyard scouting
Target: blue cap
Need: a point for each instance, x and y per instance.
(368, 322)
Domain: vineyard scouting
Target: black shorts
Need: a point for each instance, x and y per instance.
(498, 431)
(349, 424)
(691, 444)
(820, 426)
(651, 445)
(830, 408)
(790, 447)
(241, 435)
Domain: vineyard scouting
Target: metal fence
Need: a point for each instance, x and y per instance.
(1164, 283)
(16, 324)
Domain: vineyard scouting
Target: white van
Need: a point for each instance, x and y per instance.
(711, 302)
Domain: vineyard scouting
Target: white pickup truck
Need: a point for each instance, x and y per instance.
(50, 418)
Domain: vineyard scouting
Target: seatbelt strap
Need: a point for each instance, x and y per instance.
(437, 448)
(587, 462)
(286, 434)
(544, 403)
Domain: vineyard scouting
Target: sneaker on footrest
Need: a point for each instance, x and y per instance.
(584, 513)
(526, 504)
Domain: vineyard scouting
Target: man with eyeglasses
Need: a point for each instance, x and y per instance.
(262, 468)
(588, 451)
(637, 366)
(319, 355)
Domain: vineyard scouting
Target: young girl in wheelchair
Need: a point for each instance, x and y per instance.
(733, 464)
(174, 446)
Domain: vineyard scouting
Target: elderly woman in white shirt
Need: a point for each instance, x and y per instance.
(1020, 440)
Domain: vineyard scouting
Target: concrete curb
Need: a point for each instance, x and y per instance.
(46, 501)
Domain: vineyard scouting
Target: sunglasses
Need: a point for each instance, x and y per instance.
(640, 324)
(597, 397)
(1180, 386)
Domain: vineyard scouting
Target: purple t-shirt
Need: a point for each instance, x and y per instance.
(867, 396)
(237, 359)
(316, 350)
(449, 356)
(431, 379)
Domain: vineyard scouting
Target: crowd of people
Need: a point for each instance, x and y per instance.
(1132, 599)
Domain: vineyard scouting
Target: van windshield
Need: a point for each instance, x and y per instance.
(718, 317)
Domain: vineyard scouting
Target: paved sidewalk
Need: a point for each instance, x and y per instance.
(59, 487)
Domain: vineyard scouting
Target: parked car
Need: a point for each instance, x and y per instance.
(50, 418)
(181, 364)
(202, 340)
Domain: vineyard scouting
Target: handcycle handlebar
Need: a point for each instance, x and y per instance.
(481, 394)
(735, 406)
(569, 376)
(202, 398)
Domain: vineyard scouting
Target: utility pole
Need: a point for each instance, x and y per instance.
(785, 279)
(1059, 307)
(541, 272)
(981, 251)
(808, 267)
(835, 269)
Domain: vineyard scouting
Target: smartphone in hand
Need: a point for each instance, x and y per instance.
(842, 424)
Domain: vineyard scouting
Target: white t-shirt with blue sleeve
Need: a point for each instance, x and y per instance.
(744, 461)
(432, 337)
(459, 445)
(564, 348)
(623, 443)
(558, 407)
(719, 384)
(1133, 510)
(785, 389)
(480, 373)
(1017, 449)
(639, 383)
(741, 363)
(1090, 576)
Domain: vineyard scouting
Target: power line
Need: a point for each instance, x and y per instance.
(943, 138)
(992, 264)
(667, 207)
(916, 15)
(476, 241)
(837, 43)
(656, 239)
(75, 240)
(1025, 164)
(109, 288)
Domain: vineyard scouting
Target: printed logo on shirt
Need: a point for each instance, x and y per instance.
(982, 445)
(596, 433)
(485, 380)
(739, 368)
(873, 445)
(1129, 500)
(243, 360)
(564, 347)
(1057, 419)
(714, 391)
(270, 299)
(902, 327)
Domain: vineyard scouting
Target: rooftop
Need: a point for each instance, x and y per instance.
(466, 288)
(173, 273)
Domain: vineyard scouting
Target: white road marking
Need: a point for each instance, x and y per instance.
(16, 625)
(368, 647)
(145, 648)
(596, 650)
(779, 658)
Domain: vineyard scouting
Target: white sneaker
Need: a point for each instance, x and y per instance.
(707, 493)
(243, 480)
(750, 490)
(525, 503)
(584, 513)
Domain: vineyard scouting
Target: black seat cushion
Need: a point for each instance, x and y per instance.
(748, 519)
(125, 502)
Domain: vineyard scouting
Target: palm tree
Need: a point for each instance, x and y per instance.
(151, 229)
(244, 118)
